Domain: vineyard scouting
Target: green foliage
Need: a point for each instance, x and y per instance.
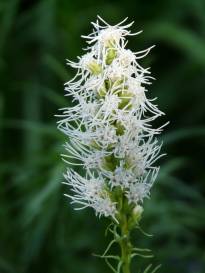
(39, 231)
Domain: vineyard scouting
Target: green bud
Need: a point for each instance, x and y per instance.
(137, 213)
(105, 87)
(111, 54)
(102, 91)
(126, 97)
(119, 128)
(135, 216)
(110, 162)
(95, 68)
(117, 83)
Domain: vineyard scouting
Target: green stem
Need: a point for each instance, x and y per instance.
(125, 244)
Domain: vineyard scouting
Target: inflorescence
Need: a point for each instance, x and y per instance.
(109, 127)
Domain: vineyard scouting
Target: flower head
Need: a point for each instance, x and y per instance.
(109, 128)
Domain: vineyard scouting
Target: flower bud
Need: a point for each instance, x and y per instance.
(94, 68)
(111, 54)
(137, 212)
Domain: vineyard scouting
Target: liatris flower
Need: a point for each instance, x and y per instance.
(109, 129)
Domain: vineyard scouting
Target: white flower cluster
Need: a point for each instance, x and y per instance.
(109, 128)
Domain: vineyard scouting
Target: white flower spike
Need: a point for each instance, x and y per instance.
(109, 128)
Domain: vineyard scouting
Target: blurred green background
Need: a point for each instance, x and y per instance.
(39, 231)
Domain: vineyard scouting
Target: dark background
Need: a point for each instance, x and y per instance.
(39, 231)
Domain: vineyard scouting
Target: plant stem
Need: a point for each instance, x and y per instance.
(125, 244)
